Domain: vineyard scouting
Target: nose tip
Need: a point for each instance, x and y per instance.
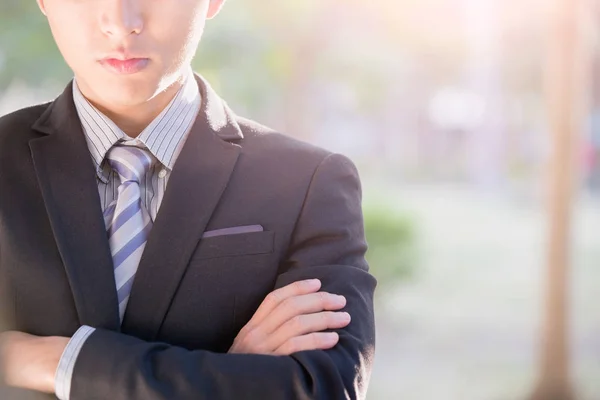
(122, 19)
(122, 28)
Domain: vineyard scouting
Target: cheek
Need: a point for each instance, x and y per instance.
(180, 31)
(193, 36)
(71, 37)
(178, 46)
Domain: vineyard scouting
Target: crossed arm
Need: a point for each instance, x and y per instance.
(290, 320)
(286, 351)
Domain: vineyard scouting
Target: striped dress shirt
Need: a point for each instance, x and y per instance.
(164, 138)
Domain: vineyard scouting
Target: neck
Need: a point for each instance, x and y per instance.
(134, 119)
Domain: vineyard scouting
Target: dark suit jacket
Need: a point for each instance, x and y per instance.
(190, 297)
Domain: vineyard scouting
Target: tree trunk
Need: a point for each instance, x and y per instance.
(565, 97)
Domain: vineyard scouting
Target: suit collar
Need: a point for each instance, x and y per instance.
(67, 178)
(216, 114)
(162, 137)
(214, 111)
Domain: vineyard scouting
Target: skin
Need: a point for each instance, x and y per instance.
(290, 319)
(166, 34)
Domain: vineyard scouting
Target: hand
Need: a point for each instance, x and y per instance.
(30, 362)
(291, 319)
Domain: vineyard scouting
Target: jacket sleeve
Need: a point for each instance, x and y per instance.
(328, 243)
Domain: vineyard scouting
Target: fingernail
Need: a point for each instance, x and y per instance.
(340, 300)
(344, 316)
(313, 282)
(331, 337)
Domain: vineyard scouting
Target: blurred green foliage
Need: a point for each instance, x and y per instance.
(27, 49)
(392, 239)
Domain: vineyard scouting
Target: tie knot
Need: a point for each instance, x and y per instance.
(131, 163)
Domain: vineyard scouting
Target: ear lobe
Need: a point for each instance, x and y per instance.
(42, 6)
(213, 8)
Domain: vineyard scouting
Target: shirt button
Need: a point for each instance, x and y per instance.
(162, 173)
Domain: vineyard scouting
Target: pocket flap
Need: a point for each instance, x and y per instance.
(236, 245)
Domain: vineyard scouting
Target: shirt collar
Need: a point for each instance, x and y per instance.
(163, 137)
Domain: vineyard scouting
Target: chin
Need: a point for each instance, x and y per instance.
(129, 92)
(110, 90)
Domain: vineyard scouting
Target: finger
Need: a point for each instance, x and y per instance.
(305, 324)
(275, 298)
(312, 341)
(301, 305)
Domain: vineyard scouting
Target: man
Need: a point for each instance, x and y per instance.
(153, 245)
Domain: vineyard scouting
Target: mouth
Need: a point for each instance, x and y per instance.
(124, 67)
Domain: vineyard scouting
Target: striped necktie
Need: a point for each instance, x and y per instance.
(127, 221)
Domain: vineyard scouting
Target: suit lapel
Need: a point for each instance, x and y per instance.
(66, 177)
(195, 186)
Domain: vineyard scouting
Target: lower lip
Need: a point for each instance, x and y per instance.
(125, 67)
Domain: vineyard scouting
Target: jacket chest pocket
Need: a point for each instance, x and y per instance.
(226, 280)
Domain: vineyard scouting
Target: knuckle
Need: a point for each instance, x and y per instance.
(273, 298)
(315, 340)
(298, 323)
(323, 298)
(285, 349)
(247, 328)
(287, 303)
(253, 336)
(292, 304)
(294, 344)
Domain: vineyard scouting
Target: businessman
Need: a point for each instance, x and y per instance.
(154, 245)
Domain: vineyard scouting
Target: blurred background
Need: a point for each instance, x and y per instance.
(443, 106)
